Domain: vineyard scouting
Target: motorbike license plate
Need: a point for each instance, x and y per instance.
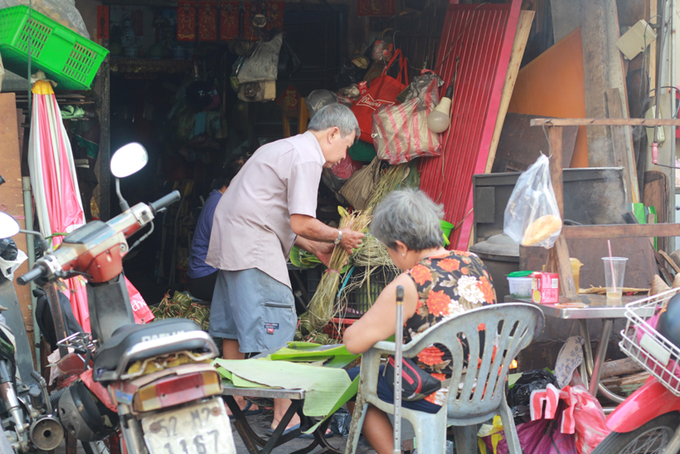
(203, 428)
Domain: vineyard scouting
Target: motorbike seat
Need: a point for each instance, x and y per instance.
(127, 345)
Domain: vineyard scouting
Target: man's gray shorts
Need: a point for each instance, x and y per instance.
(254, 308)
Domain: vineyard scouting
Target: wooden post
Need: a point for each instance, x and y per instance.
(558, 257)
(12, 199)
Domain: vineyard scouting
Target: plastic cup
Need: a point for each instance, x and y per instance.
(614, 270)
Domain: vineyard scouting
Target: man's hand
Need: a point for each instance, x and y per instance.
(323, 252)
(350, 239)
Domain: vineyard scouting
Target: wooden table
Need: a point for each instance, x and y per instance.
(254, 441)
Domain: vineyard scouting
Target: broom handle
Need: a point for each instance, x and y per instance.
(398, 341)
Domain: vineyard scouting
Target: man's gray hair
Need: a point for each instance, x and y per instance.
(409, 216)
(335, 115)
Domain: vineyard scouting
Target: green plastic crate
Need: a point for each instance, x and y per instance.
(66, 57)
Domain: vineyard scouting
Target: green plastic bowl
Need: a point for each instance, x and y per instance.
(447, 228)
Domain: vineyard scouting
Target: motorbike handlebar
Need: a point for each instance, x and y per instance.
(32, 275)
(164, 201)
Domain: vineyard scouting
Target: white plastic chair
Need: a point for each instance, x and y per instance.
(474, 397)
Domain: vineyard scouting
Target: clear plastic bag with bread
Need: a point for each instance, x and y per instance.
(532, 217)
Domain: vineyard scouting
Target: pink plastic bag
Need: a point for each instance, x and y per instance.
(590, 426)
(542, 436)
(139, 307)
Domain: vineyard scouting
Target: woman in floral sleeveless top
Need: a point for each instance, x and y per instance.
(438, 284)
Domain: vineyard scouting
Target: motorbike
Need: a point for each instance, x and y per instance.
(154, 383)
(27, 412)
(648, 421)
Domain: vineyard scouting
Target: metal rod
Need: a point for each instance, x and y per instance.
(398, 344)
(659, 68)
(30, 245)
(601, 353)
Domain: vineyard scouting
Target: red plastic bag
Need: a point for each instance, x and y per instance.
(139, 307)
(400, 131)
(346, 168)
(384, 90)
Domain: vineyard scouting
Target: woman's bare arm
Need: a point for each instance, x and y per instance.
(379, 322)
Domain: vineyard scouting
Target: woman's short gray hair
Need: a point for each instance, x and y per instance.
(335, 115)
(409, 216)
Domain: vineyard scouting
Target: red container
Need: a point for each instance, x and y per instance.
(545, 288)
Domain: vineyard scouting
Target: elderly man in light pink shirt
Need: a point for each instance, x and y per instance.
(269, 207)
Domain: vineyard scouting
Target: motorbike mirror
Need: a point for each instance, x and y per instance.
(8, 226)
(128, 159)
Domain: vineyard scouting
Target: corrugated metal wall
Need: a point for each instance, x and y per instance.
(481, 36)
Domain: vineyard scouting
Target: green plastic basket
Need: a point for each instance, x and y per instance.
(66, 57)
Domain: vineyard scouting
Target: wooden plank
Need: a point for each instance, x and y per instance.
(656, 195)
(605, 122)
(620, 230)
(596, 78)
(617, 80)
(670, 261)
(623, 366)
(521, 36)
(558, 258)
(11, 195)
(619, 139)
(651, 17)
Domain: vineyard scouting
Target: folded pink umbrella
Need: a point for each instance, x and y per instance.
(55, 188)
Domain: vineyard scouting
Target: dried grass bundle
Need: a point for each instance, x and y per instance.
(321, 308)
(323, 305)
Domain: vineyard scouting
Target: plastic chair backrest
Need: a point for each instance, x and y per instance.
(476, 392)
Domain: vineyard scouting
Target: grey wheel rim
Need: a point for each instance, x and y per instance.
(651, 441)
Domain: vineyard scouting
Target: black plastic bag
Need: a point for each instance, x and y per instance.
(288, 62)
(340, 422)
(8, 249)
(349, 74)
(520, 394)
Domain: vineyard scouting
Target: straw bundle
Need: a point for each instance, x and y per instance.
(321, 308)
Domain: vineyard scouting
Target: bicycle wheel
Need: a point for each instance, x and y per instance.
(651, 438)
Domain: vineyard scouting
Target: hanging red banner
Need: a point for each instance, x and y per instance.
(249, 12)
(275, 15)
(290, 99)
(102, 22)
(186, 20)
(207, 20)
(375, 8)
(228, 20)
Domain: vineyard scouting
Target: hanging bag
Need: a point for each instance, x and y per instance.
(532, 217)
(400, 131)
(384, 90)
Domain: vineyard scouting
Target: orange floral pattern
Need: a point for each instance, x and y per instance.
(449, 265)
(438, 303)
(431, 356)
(445, 284)
(420, 274)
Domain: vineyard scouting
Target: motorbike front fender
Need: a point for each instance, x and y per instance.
(645, 404)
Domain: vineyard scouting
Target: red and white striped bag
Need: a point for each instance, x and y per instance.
(400, 131)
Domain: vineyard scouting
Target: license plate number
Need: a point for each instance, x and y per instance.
(202, 428)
